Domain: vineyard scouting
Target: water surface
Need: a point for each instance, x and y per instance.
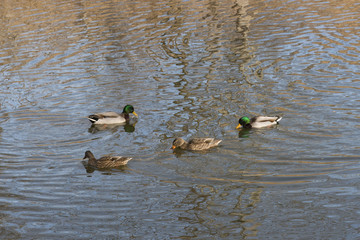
(190, 69)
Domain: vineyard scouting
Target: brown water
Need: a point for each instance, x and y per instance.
(191, 69)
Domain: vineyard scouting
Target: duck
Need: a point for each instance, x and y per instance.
(106, 161)
(258, 122)
(195, 143)
(113, 117)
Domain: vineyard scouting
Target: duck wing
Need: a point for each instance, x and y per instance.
(112, 161)
(107, 118)
(264, 121)
(201, 140)
(203, 143)
(107, 115)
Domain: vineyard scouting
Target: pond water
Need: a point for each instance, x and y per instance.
(190, 69)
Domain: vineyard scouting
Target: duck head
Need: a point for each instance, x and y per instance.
(89, 155)
(178, 142)
(244, 122)
(129, 109)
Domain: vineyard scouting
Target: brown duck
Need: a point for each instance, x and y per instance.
(106, 161)
(195, 143)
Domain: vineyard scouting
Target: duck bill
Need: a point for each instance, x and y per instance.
(135, 114)
(173, 147)
(239, 126)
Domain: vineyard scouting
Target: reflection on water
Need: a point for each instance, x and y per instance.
(100, 127)
(191, 69)
(245, 133)
(91, 169)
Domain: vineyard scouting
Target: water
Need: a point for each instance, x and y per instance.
(191, 69)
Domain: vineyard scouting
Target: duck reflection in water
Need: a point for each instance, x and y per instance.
(244, 133)
(128, 127)
(107, 171)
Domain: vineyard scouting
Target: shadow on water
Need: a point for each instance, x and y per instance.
(91, 169)
(179, 152)
(244, 133)
(94, 128)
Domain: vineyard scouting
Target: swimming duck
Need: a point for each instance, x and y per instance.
(106, 161)
(195, 143)
(112, 117)
(258, 122)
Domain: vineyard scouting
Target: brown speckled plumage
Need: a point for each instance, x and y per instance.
(195, 143)
(106, 161)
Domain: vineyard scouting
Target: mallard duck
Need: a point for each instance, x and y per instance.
(258, 122)
(106, 161)
(112, 117)
(195, 143)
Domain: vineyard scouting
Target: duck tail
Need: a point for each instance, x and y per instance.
(127, 160)
(93, 118)
(278, 119)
